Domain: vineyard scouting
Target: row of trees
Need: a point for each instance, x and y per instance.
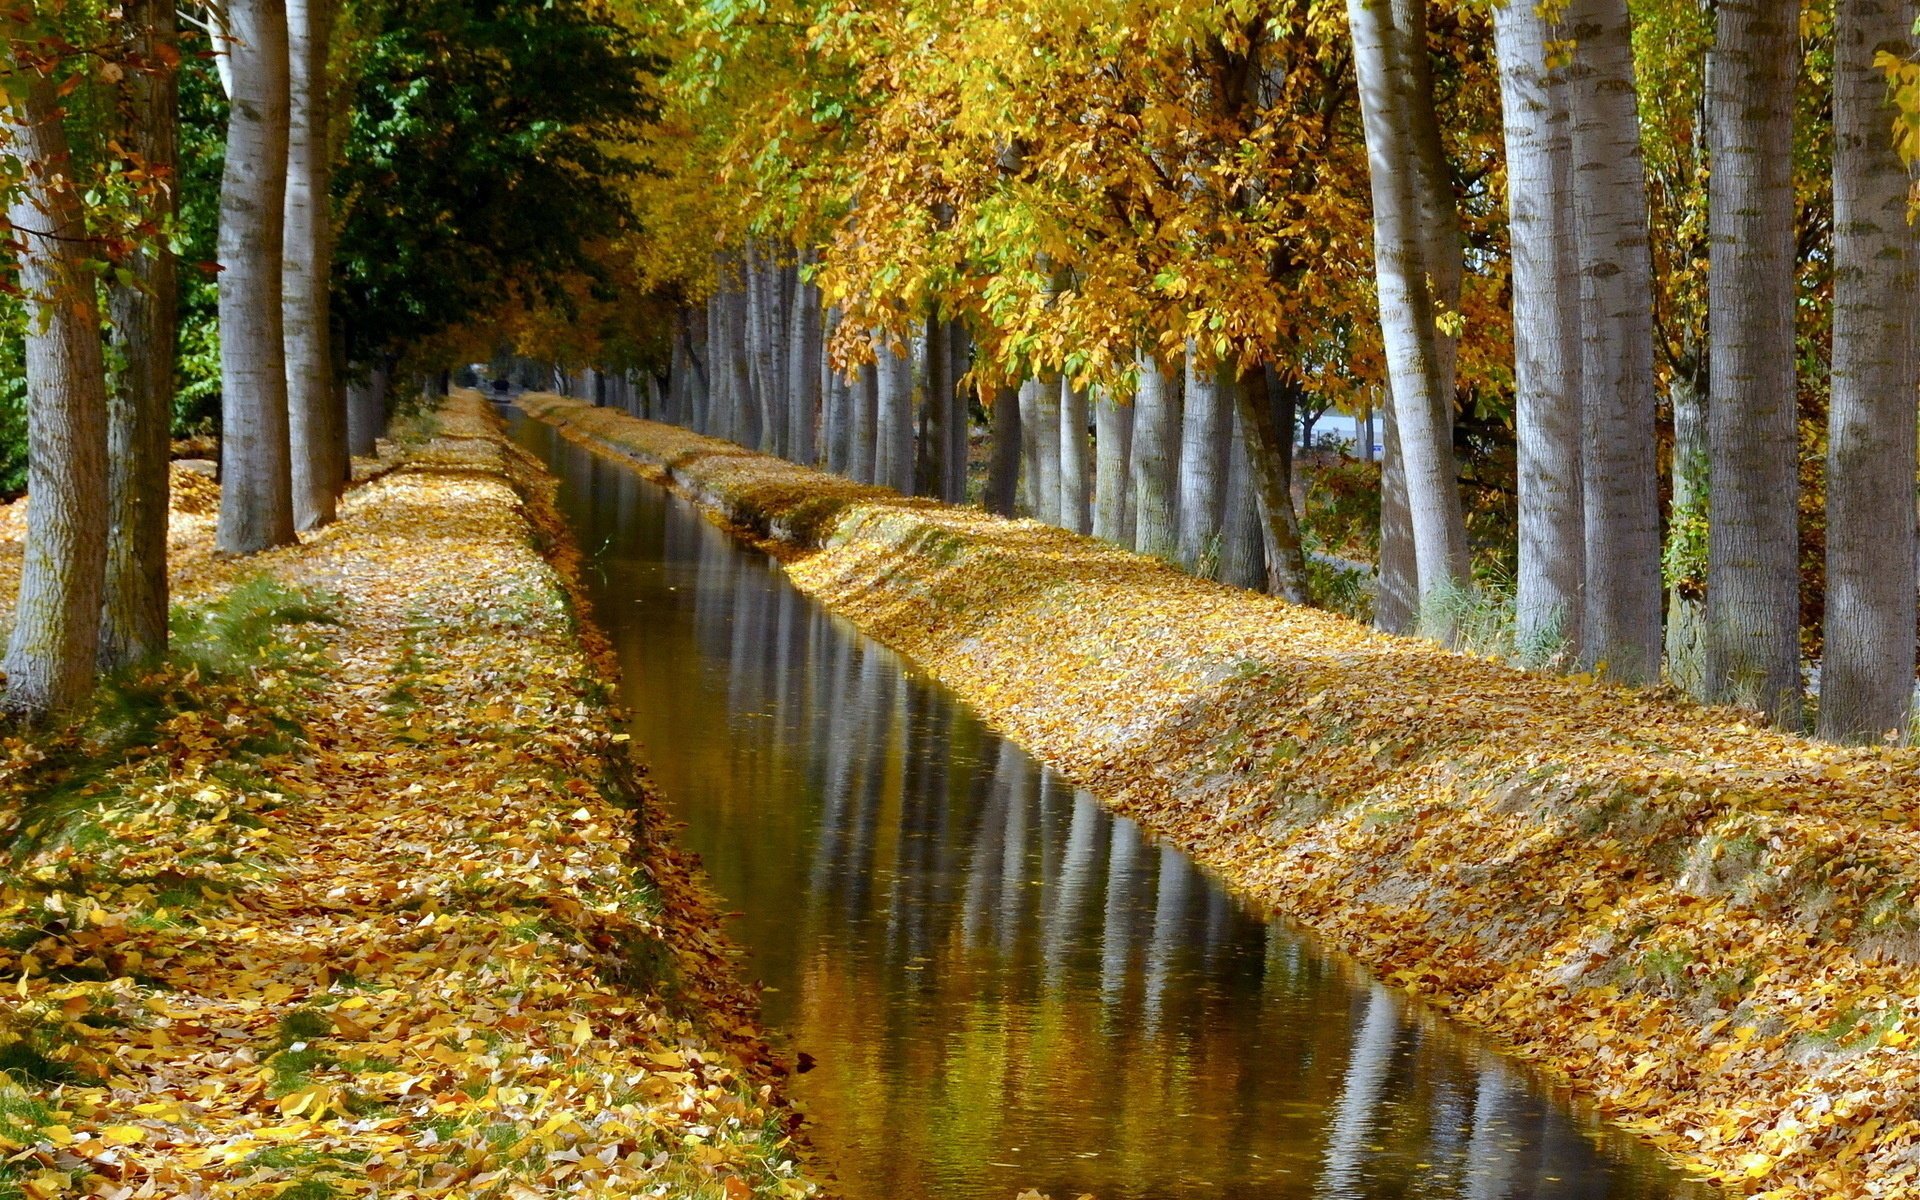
(1167, 223)
(347, 181)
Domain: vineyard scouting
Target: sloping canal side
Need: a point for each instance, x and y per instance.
(358, 893)
(1707, 927)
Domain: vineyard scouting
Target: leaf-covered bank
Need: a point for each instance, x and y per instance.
(1709, 928)
(359, 894)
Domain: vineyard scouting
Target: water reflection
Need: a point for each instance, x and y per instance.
(1003, 986)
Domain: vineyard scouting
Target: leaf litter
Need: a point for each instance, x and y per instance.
(360, 894)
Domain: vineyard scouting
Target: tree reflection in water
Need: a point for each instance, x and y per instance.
(1004, 986)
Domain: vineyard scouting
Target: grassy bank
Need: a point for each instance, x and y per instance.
(359, 894)
(1710, 929)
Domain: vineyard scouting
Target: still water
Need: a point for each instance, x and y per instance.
(1004, 987)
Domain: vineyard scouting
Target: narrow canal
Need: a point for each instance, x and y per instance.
(1001, 986)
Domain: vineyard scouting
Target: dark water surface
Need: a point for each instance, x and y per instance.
(1003, 986)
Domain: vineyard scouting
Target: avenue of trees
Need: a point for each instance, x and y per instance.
(1662, 252)
(1628, 287)
(248, 217)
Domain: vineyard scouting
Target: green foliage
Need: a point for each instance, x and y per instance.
(478, 160)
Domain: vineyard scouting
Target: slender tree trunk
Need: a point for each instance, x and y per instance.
(1415, 366)
(866, 421)
(256, 482)
(936, 445)
(893, 433)
(744, 410)
(1546, 335)
(1156, 461)
(143, 310)
(1046, 448)
(313, 413)
(1264, 406)
(1866, 679)
(960, 362)
(767, 366)
(1686, 602)
(1396, 597)
(366, 409)
(1074, 502)
(1242, 540)
(1443, 246)
(1206, 435)
(1113, 456)
(1753, 553)
(1029, 427)
(1003, 471)
(804, 348)
(1620, 624)
(56, 634)
(719, 366)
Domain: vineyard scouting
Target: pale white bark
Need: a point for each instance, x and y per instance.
(1156, 461)
(1046, 449)
(1396, 597)
(1866, 677)
(893, 428)
(1113, 460)
(804, 349)
(1620, 626)
(1415, 367)
(256, 482)
(1753, 552)
(315, 424)
(1075, 512)
(1206, 433)
(1546, 333)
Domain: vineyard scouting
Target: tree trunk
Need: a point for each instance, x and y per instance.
(1029, 427)
(804, 347)
(1686, 600)
(893, 427)
(1156, 461)
(1264, 406)
(1546, 336)
(143, 310)
(1620, 624)
(766, 365)
(1046, 448)
(1443, 247)
(1243, 560)
(56, 634)
(1396, 596)
(865, 422)
(960, 362)
(1003, 471)
(935, 471)
(256, 482)
(1113, 458)
(1753, 553)
(1074, 510)
(1422, 401)
(1206, 434)
(1866, 680)
(315, 422)
(743, 408)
